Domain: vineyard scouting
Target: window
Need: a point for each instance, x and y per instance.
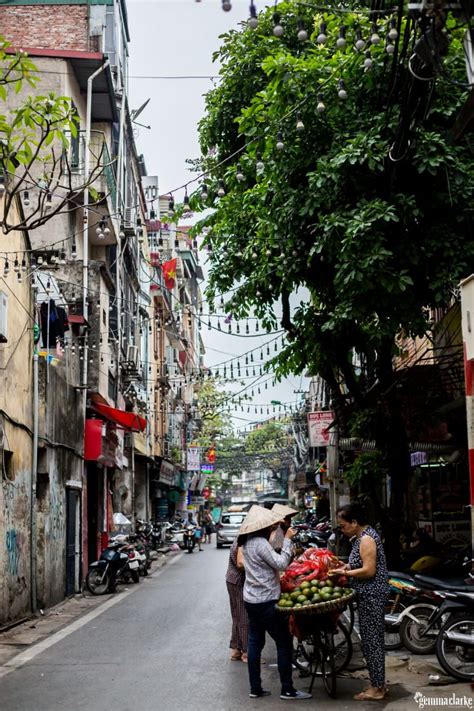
(233, 519)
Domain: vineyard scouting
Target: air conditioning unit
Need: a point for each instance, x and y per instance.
(3, 317)
(132, 355)
(129, 217)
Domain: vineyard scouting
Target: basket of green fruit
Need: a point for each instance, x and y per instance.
(315, 597)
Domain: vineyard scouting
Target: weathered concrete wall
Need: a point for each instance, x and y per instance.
(61, 435)
(16, 443)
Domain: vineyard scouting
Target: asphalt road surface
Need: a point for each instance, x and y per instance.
(164, 647)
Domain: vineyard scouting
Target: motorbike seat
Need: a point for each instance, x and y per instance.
(401, 576)
(455, 585)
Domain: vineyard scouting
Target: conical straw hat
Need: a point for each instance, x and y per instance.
(283, 511)
(258, 518)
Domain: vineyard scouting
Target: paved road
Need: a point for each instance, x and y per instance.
(162, 648)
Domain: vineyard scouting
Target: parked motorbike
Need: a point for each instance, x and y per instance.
(117, 562)
(189, 538)
(420, 623)
(455, 642)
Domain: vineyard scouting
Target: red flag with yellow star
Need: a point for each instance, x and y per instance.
(169, 273)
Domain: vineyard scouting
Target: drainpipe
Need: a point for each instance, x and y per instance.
(34, 475)
(85, 231)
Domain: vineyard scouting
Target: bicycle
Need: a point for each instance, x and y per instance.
(325, 652)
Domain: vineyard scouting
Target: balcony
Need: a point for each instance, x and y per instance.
(102, 167)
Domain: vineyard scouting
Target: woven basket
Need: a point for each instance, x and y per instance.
(319, 607)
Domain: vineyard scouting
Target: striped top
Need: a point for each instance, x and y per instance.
(262, 565)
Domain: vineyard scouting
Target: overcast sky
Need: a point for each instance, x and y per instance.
(171, 38)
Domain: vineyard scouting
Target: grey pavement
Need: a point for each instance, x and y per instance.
(165, 647)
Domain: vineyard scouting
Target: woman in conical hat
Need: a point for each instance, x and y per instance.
(261, 593)
(278, 536)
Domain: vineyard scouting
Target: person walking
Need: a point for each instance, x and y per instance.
(261, 593)
(208, 525)
(367, 571)
(235, 578)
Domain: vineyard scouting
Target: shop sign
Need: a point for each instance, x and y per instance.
(418, 458)
(318, 424)
(452, 533)
(194, 459)
(167, 472)
(207, 468)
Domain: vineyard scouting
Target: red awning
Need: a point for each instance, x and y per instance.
(127, 420)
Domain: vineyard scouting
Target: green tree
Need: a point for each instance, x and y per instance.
(35, 132)
(366, 203)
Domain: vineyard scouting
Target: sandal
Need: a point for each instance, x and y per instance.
(367, 696)
(244, 657)
(236, 656)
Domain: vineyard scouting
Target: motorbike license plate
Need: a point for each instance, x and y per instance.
(133, 564)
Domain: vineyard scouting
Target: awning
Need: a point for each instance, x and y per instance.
(126, 420)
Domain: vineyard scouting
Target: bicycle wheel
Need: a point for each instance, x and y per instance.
(342, 646)
(328, 663)
(303, 656)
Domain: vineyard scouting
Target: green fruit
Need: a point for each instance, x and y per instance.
(326, 590)
(314, 590)
(338, 589)
(307, 592)
(281, 603)
(336, 595)
(294, 595)
(301, 598)
(289, 603)
(308, 602)
(326, 596)
(306, 584)
(322, 583)
(329, 583)
(298, 605)
(316, 598)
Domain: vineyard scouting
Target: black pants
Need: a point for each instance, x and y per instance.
(263, 617)
(372, 636)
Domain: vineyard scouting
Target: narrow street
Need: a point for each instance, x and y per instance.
(163, 647)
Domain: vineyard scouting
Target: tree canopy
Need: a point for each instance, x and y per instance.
(339, 174)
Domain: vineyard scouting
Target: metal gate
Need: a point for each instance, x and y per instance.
(73, 540)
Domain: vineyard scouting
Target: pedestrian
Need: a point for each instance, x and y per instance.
(367, 571)
(208, 525)
(278, 536)
(235, 578)
(197, 529)
(261, 593)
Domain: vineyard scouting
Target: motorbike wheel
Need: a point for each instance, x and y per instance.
(456, 658)
(412, 628)
(96, 584)
(135, 576)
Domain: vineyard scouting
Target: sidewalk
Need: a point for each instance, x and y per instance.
(19, 638)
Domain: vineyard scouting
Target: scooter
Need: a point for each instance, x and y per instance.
(189, 538)
(114, 564)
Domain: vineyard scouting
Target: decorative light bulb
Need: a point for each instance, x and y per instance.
(368, 62)
(239, 175)
(393, 32)
(49, 199)
(259, 165)
(186, 206)
(16, 265)
(375, 37)
(220, 189)
(171, 205)
(279, 144)
(226, 5)
(341, 40)
(342, 93)
(106, 230)
(6, 268)
(299, 123)
(73, 250)
(389, 46)
(322, 37)
(277, 28)
(360, 42)
(253, 19)
(26, 198)
(204, 193)
(122, 231)
(23, 265)
(321, 106)
(302, 34)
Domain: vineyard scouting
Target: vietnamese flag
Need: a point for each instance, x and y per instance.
(169, 273)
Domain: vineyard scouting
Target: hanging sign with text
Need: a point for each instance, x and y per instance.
(318, 424)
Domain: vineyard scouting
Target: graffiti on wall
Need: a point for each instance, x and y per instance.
(57, 515)
(14, 543)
